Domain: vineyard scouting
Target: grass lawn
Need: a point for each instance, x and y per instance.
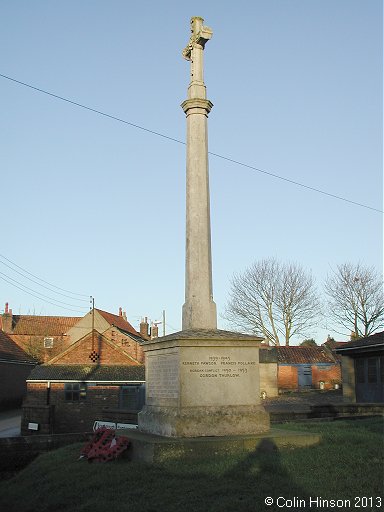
(347, 464)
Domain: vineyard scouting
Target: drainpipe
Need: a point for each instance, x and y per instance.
(48, 392)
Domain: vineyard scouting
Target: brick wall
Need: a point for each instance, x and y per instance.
(119, 416)
(329, 375)
(66, 416)
(287, 378)
(41, 414)
(81, 352)
(132, 347)
(80, 416)
(34, 345)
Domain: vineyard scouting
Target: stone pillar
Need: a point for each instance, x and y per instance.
(349, 380)
(201, 381)
(199, 310)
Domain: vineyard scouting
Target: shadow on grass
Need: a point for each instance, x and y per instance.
(238, 482)
(265, 484)
(257, 481)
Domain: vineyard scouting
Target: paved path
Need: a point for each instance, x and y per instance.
(10, 423)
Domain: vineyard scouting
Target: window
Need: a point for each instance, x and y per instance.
(372, 370)
(76, 391)
(48, 342)
(132, 397)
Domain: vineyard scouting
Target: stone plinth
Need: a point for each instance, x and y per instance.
(151, 448)
(203, 383)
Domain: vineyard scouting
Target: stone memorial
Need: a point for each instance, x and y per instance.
(201, 381)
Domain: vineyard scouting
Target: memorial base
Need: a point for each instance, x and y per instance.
(203, 383)
(204, 421)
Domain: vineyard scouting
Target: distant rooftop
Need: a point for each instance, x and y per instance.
(9, 351)
(93, 373)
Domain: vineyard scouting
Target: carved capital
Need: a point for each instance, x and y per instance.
(197, 103)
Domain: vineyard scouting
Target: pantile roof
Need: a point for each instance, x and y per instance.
(92, 373)
(9, 351)
(118, 321)
(296, 355)
(42, 325)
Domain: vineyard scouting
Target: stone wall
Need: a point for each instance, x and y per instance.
(348, 372)
(268, 379)
(17, 452)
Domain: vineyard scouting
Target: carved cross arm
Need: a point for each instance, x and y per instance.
(204, 35)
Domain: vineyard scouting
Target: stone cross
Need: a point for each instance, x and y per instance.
(199, 310)
(194, 53)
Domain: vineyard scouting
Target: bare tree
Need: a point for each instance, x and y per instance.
(356, 299)
(277, 301)
(35, 349)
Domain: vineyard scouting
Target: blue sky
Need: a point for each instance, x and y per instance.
(96, 207)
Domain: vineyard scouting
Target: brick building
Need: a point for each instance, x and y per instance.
(44, 337)
(71, 397)
(299, 368)
(96, 378)
(15, 366)
(99, 375)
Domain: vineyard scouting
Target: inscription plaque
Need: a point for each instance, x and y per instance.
(218, 376)
(163, 385)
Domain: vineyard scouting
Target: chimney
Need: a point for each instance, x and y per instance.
(7, 320)
(120, 311)
(144, 327)
(154, 331)
(125, 316)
